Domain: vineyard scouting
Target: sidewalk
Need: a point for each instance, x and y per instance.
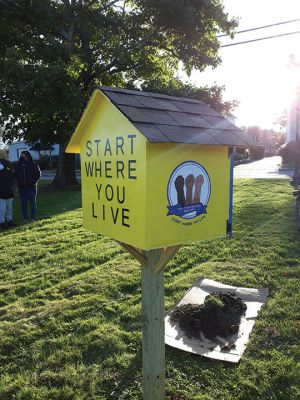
(49, 174)
(267, 168)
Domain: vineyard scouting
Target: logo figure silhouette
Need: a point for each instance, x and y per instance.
(179, 184)
(189, 182)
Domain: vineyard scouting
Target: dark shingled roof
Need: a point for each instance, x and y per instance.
(168, 119)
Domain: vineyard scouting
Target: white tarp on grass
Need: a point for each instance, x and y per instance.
(175, 337)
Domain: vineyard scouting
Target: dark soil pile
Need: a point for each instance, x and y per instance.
(220, 315)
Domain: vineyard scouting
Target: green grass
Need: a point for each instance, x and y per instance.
(70, 304)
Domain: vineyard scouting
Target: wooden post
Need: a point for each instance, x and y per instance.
(153, 263)
(153, 327)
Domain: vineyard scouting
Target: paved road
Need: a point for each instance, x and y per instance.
(268, 168)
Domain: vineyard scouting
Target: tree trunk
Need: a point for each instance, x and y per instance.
(65, 174)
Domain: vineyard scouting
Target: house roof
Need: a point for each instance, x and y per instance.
(168, 119)
(42, 147)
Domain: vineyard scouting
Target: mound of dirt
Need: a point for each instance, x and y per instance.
(220, 315)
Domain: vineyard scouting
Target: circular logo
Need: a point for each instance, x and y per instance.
(188, 190)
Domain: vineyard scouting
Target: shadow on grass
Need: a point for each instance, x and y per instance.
(255, 215)
(50, 202)
(129, 384)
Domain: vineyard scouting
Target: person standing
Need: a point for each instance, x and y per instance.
(7, 188)
(27, 174)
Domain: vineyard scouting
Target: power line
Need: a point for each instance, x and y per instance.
(263, 27)
(264, 38)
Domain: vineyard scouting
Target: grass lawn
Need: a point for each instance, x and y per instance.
(70, 304)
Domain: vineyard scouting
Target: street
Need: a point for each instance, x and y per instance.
(267, 168)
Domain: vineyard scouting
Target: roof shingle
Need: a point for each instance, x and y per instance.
(161, 118)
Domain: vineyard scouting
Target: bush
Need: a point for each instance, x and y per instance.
(239, 157)
(241, 154)
(290, 152)
(43, 162)
(77, 161)
(257, 153)
(55, 160)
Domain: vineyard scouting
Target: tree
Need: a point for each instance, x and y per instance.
(269, 139)
(53, 52)
(290, 152)
(212, 96)
(281, 119)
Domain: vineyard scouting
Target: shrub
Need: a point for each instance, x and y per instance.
(240, 154)
(257, 153)
(43, 162)
(54, 160)
(290, 152)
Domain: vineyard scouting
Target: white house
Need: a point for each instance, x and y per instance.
(16, 148)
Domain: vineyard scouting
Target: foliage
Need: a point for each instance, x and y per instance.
(212, 96)
(290, 152)
(53, 52)
(262, 136)
(281, 119)
(241, 153)
(70, 305)
(268, 139)
(45, 162)
(253, 153)
(257, 153)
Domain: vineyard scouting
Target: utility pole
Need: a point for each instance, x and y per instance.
(296, 177)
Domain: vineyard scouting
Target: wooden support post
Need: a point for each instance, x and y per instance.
(168, 254)
(134, 252)
(153, 327)
(153, 263)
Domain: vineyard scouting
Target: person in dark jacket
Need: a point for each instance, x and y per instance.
(27, 173)
(7, 187)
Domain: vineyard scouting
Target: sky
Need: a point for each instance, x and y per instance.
(258, 74)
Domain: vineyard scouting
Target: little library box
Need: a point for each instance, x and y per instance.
(156, 170)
